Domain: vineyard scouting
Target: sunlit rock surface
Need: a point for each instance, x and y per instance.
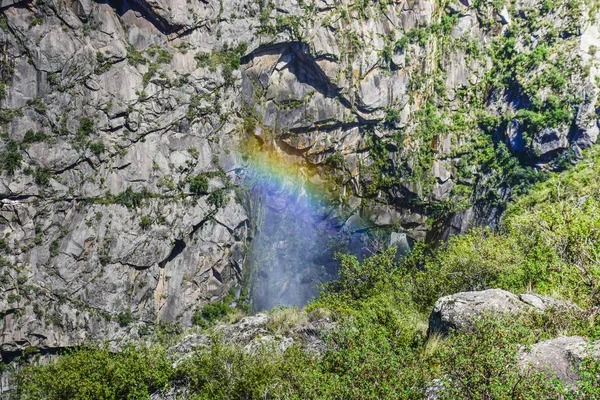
(109, 110)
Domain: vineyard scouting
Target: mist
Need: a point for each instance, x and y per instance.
(293, 246)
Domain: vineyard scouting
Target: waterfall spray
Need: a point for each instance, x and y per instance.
(293, 245)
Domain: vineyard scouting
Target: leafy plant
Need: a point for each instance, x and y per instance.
(199, 185)
(97, 373)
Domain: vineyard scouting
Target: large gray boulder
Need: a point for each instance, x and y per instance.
(461, 310)
(560, 357)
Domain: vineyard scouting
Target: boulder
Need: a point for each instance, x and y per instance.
(560, 357)
(460, 310)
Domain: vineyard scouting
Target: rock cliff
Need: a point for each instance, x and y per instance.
(126, 128)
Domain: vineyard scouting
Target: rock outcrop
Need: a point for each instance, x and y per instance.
(122, 124)
(560, 357)
(460, 310)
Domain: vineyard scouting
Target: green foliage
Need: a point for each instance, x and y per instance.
(135, 57)
(217, 198)
(227, 372)
(34, 137)
(358, 279)
(131, 199)
(249, 125)
(145, 222)
(42, 176)
(86, 128)
(38, 105)
(54, 248)
(103, 64)
(162, 56)
(228, 59)
(522, 70)
(97, 148)
(369, 363)
(550, 113)
(96, 373)
(10, 159)
(210, 313)
(483, 363)
(125, 318)
(589, 383)
(199, 185)
(7, 115)
(392, 115)
(548, 244)
(152, 68)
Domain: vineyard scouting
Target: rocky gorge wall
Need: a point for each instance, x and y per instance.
(126, 128)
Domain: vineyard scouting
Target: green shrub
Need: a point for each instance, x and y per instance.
(483, 363)
(360, 279)
(145, 222)
(229, 372)
(210, 313)
(125, 318)
(217, 198)
(366, 362)
(135, 57)
(86, 128)
(588, 385)
(548, 244)
(11, 159)
(228, 59)
(97, 148)
(199, 185)
(42, 176)
(97, 373)
(131, 199)
(54, 248)
(34, 137)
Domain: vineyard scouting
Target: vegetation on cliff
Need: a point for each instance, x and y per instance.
(548, 244)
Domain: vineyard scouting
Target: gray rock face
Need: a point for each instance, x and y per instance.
(553, 357)
(560, 357)
(109, 110)
(307, 331)
(460, 310)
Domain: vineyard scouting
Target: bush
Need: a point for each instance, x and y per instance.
(145, 222)
(210, 313)
(217, 198)
(97, 148)
(131, 199)
(125, 318)
(42, 176)
(365, 362)
(483, 363)
(548, 244)
(34, 137)
(588, 385)
(359, 279)
(86, 128)
(229, 372)
(11, 159)
(199, 185)
(96, 373)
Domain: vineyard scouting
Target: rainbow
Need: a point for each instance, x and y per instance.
(290, 253)
(277, 172)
